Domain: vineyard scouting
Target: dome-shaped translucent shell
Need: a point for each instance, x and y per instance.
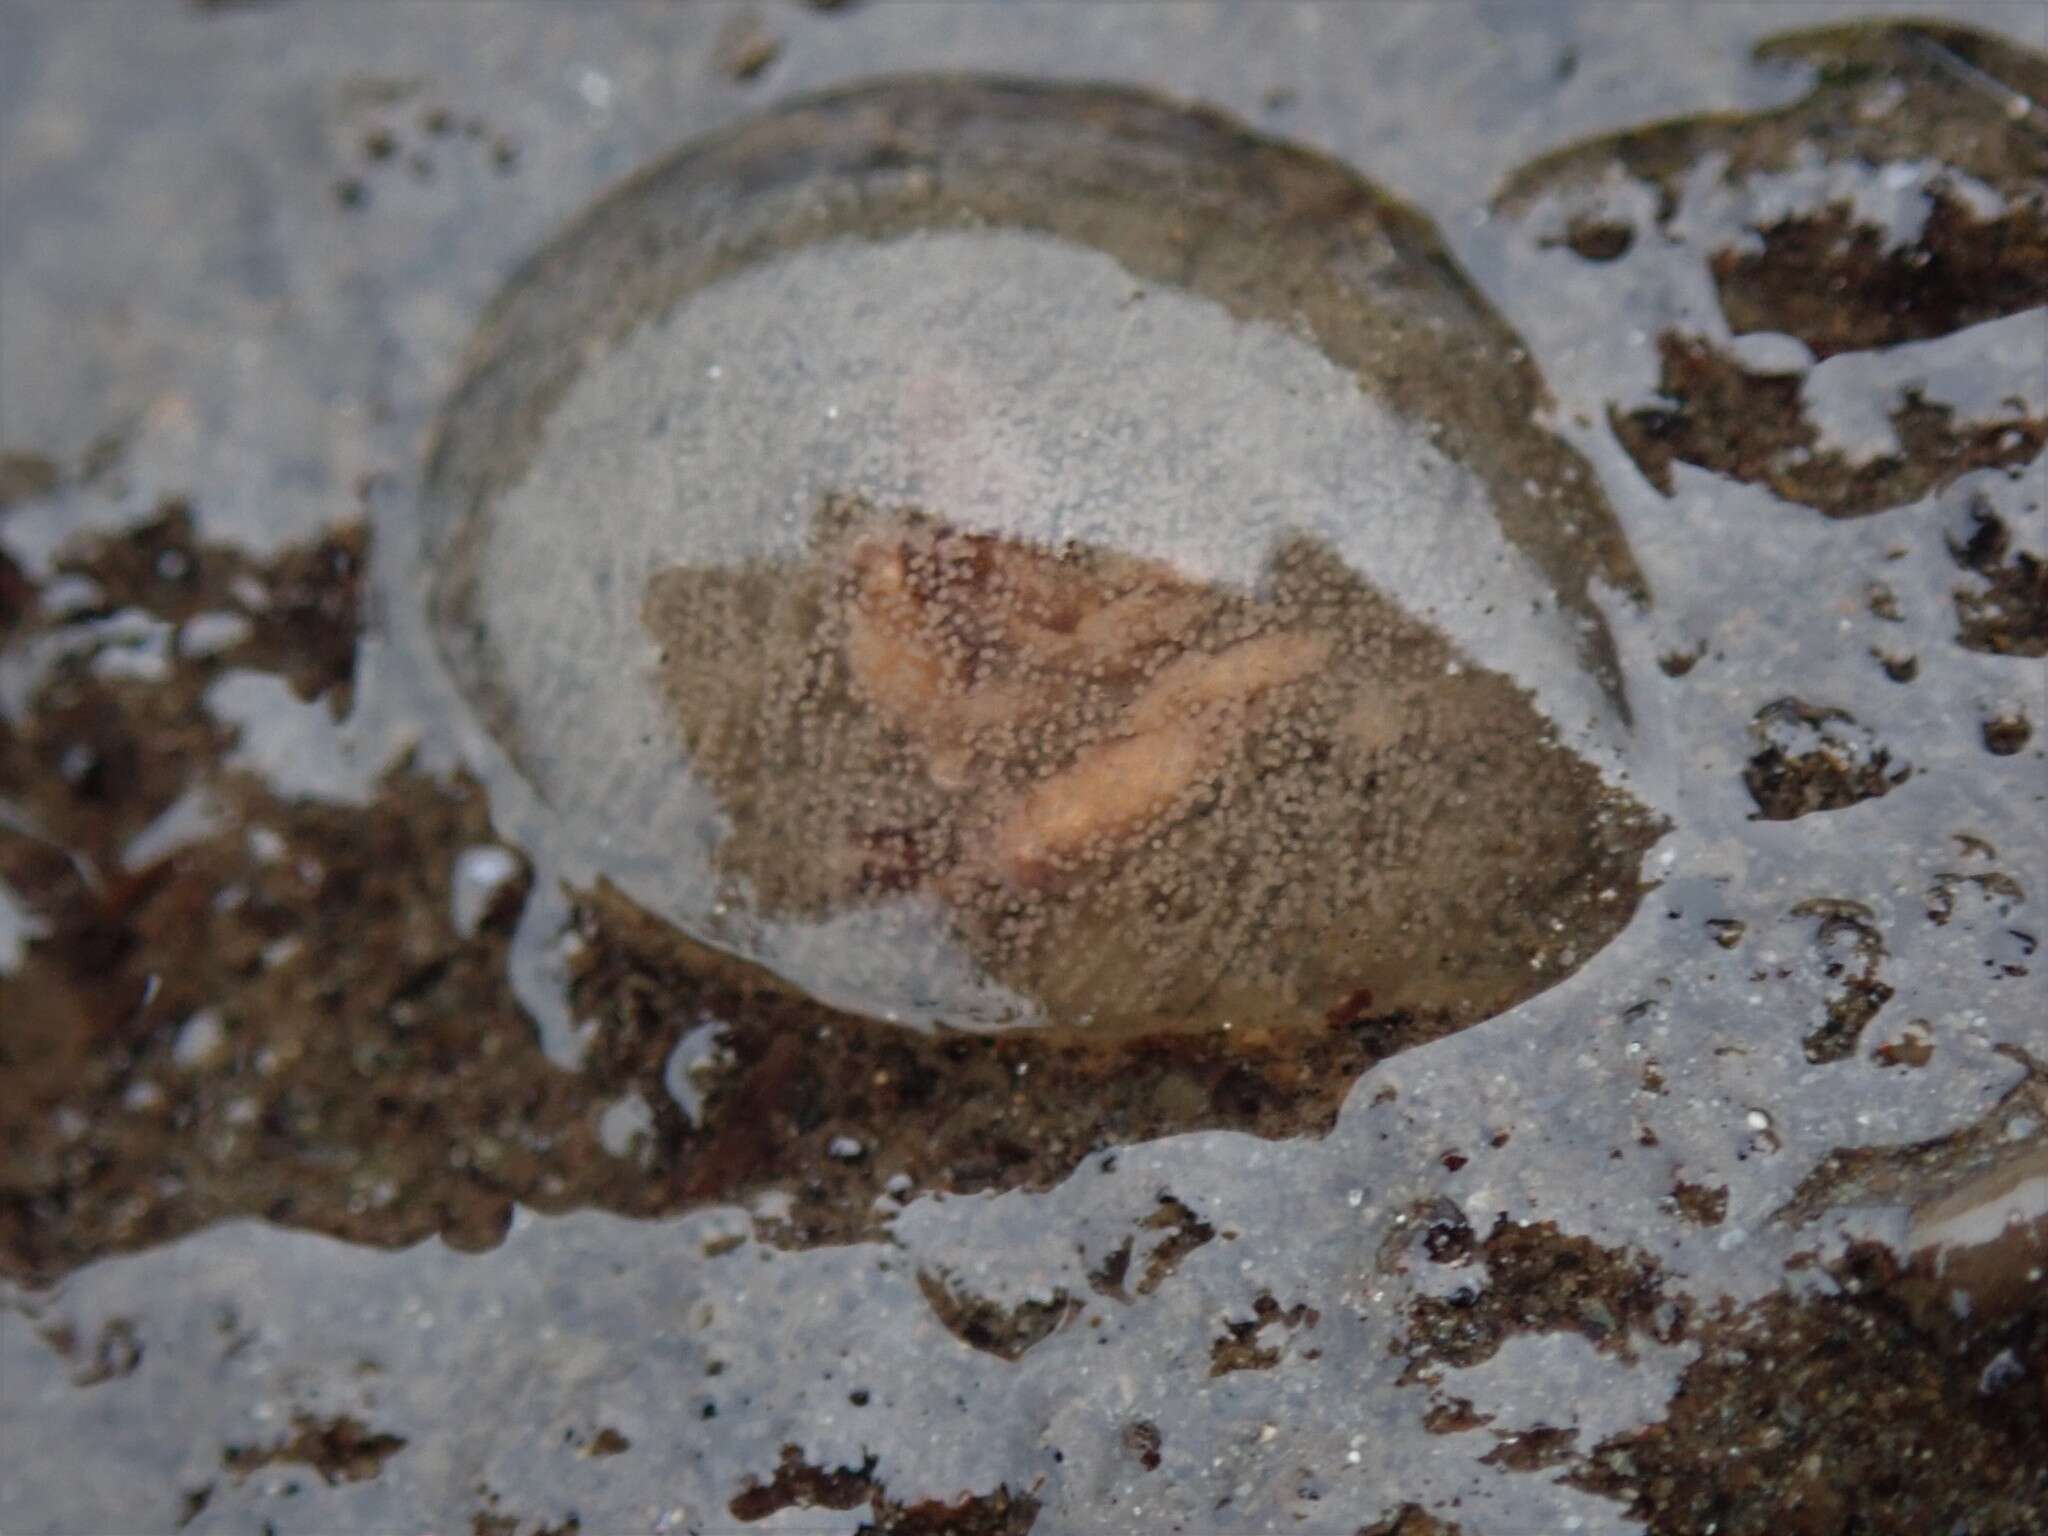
(999, 554)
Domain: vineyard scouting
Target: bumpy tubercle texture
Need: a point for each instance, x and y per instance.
(1138, 797)
(969, 644)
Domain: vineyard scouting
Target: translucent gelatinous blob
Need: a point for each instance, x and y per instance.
(1003, 555)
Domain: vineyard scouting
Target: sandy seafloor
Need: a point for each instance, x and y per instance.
(176, 267)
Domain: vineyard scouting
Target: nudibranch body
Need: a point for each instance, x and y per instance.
(1137, 799)
(995, 555)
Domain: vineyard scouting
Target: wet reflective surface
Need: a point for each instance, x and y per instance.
(1819, 255)
(344, 1019)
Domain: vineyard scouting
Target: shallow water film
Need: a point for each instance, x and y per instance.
(1023, 768)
